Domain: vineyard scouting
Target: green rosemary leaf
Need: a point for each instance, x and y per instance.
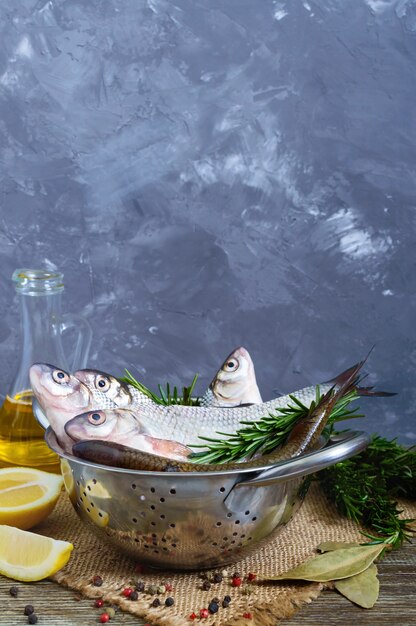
(165, 398)
(364, 488)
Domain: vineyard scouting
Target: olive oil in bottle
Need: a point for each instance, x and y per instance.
(21, 437)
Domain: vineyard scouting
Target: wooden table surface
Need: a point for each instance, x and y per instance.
(57, 606)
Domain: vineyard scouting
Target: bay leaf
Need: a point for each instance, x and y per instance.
(362, 589)
(333, 565)
(328, 546)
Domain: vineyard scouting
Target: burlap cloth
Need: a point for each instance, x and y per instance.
(316, 521)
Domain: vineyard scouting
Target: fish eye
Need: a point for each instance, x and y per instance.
(102, 383)
(96, 418)
(231, 365)
(59, 376)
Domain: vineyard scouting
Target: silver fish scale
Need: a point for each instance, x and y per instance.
(100, 400)
(185, 423)
(138, 396)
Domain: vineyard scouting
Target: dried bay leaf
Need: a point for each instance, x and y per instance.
(328, 546)
(362, 589)
(333, 565)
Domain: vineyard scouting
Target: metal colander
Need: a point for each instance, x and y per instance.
(194, 520)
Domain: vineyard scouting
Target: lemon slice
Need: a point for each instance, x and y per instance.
(29, 557)
(27, 495)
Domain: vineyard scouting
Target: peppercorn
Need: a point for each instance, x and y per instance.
(203, 613)
(247, 590)
(236, 575)
(134, 595)
(169, 601)
(217, 578)
(32, 619)
(127, 592)
(152, 590)
(161, 589)
(97, 581)
(236, 582)
(14, 591)
(111, 612)
(156, 602)
(104, 617)
(225, 604)
(206, 585)
(168, 587)
(217, 600)
(99, 603)
(140, 585)
(224, 572)
(29, 609)
(193, 616)
(248, 615)
(227, 598)
(251, 576)
(213, 607)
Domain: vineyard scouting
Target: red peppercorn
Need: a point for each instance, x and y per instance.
(127, 592)
(97, 581)
(168, 587)
(99, 603)
(236, 582)
(104, 617)
(203, 613)
(193, 616)
(248, 615)
(252, 576)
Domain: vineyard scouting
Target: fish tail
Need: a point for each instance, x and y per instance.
(345, 376)
(344, 383)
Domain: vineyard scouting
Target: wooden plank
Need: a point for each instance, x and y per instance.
(57, 606)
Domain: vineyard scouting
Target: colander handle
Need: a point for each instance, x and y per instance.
(340, 447)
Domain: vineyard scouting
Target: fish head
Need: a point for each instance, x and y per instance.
(106, 424)
(60, 395)
(56, 390)
(235, 382)
(106, 390)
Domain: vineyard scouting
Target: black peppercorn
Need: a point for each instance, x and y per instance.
(97, 581)
(236, 575)
(156, 602)
(213, 607)
(225, 604)
(227, 598)
(169, 601)
(217, 600)
(14, 591)
(32, 619)
(134, 595)
(140, 585)
(206, 585)
(29, 609)
(217, 578)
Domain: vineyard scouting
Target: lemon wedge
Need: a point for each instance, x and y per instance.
(28, 557)
(27, 495)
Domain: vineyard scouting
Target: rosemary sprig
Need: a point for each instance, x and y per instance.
(267, 433)
(167, 396)
(364, 489)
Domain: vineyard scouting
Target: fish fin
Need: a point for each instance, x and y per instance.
(368, 391)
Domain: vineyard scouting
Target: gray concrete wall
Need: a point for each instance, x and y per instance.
(215, 173)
